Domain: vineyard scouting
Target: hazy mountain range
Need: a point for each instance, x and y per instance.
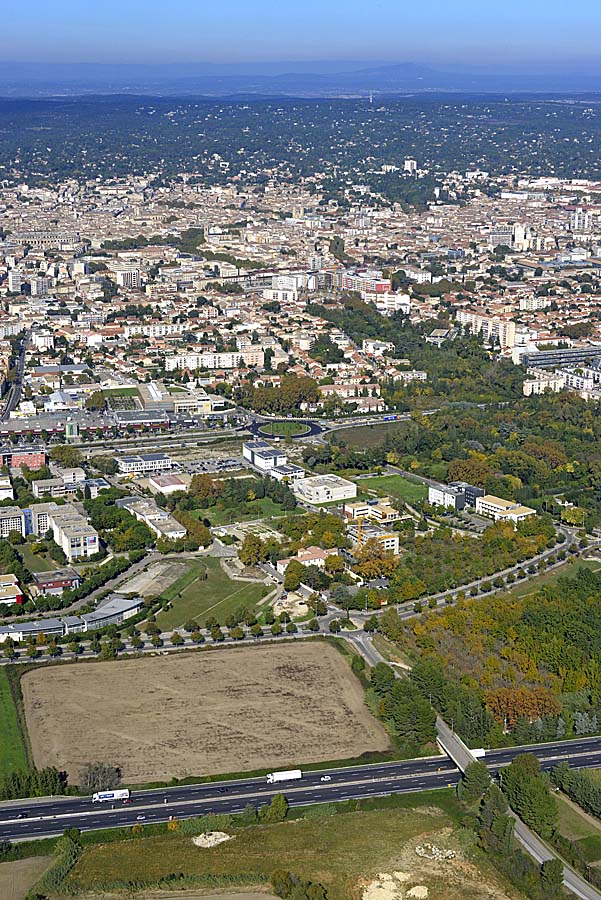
(286, 79)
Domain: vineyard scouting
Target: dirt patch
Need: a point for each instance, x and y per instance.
(153, 581)
(200, 713)
(16, 878)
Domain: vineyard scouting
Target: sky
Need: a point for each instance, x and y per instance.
(467, 32)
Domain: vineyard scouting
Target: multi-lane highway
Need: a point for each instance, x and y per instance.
(36, 818)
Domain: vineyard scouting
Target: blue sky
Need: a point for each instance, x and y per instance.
(469, 32)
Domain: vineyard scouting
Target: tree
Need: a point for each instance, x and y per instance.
(176, 639)
(276, 811)
(68, 457)
(295, 572)
(552, 878)
(252, 550)
(98, 776)
(313, 625)
(528, 794)
(474, 783)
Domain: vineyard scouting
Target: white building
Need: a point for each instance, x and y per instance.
(128, 277)
(11, 519)
(444, 495)
(144, 463)
(324, 489)
(502, 510)
(262, 456)
(6, 488)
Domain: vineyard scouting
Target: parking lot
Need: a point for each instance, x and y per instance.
(211, 466)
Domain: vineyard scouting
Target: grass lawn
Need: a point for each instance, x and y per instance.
(252, 509)
(579, 827)
(197, 598)
(338, 851)
(121, 392)
(394, 486)
(13, 754)
(569, 569)
(36, 562)
(284, 429)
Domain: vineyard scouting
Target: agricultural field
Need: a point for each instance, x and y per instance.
(13, 753)
(201, 713)
(393, 486)
(333, 850)
(205, 590)
(16, 878)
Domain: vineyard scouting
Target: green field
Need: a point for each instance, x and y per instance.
(340, 852)
(252, 509)
(121, 392)
(36, 562)
(370, 435)
(394, 486)
(197, 598)
(576, 826)
(13, 754)
(568, 571)
(285, 429)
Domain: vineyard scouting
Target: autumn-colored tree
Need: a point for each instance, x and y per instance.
(373, 561)
(508, 704)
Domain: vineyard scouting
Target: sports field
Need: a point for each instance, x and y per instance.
(201, 713)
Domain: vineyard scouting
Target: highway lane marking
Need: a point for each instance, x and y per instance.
(266, 792)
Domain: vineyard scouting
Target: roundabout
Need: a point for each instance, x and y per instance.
(288, 429)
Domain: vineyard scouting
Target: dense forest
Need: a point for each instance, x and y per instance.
(512, 670)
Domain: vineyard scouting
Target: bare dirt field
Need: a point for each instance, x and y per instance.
(16, 878)
(201, 713)
(154, 580)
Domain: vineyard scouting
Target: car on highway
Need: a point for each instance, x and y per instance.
(22, 815)
(326, 778)
(140, 818)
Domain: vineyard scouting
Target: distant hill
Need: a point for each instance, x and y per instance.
(313, 80)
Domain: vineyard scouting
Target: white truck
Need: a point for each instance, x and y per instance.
(479, 753)
(107, 796)
(290, 775)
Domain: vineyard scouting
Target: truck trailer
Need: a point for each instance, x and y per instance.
(107, 796)
(290, 775)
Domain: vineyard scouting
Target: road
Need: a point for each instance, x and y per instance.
(50, 816)
(14, 397)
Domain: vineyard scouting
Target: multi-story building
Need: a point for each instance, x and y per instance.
(447, 496)
(31, 457)
(208, 360)
(128, 277)
(262, 456)
(361, 533)
(11, 519)
(324, 489)
(55, 582)
(502, 510)
(144, 463)
(158, 520)
(500, 329)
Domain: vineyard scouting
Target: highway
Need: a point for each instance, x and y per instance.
(45, 817)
